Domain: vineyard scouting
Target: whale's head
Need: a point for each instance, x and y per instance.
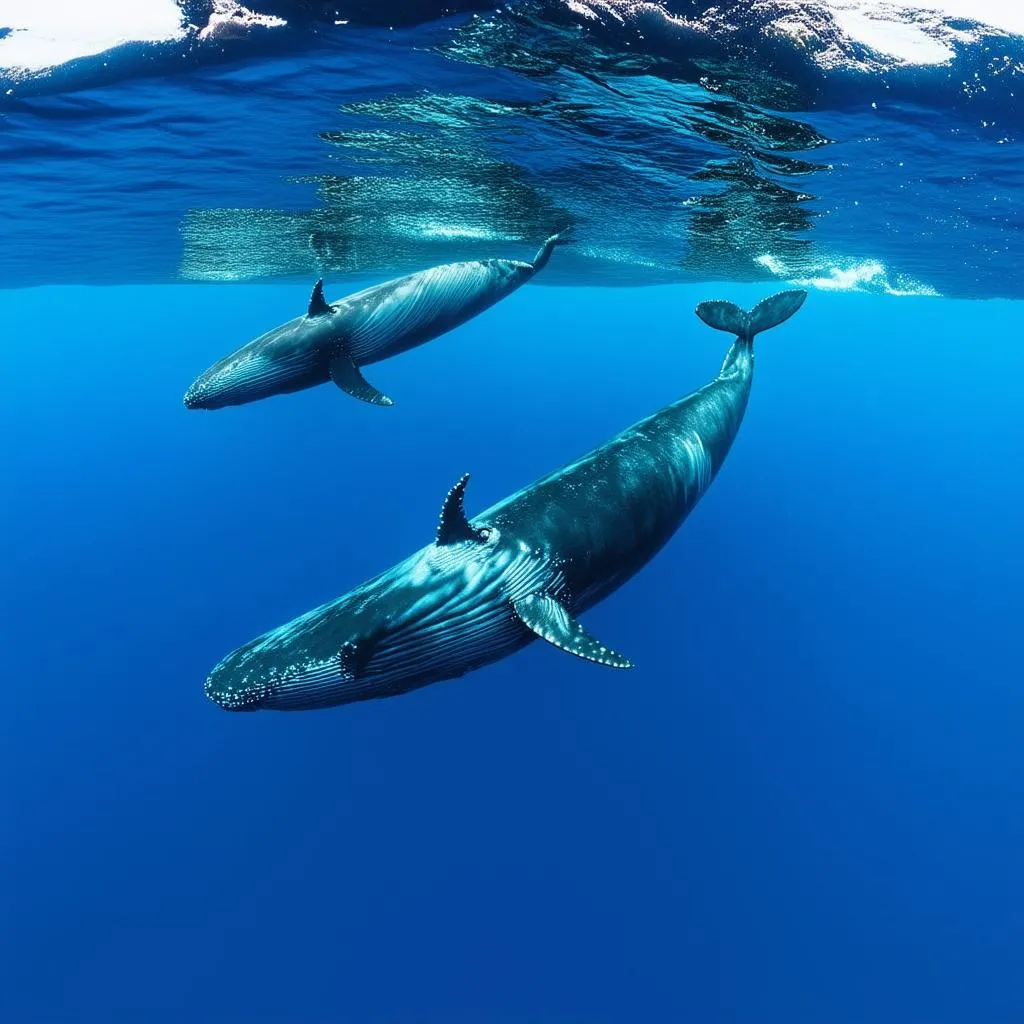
(288, 358)
(440, 613)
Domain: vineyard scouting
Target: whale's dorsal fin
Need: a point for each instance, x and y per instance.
(317, 303)
(453, 526)
(347, 376)
(551, 621)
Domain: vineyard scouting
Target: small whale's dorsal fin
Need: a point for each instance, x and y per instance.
(453, 526)
(348, 377)
(551, 621)
(317, 303)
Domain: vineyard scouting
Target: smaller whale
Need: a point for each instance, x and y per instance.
(334, 340)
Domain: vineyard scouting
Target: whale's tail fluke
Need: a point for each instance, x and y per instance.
(770, 312)
(545, 251)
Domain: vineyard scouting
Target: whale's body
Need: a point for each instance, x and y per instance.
(526, 567)
(332, 341)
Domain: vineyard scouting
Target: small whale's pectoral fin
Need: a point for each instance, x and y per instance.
(453, 525)
(551, 621)
(317, 303)
(346, 375)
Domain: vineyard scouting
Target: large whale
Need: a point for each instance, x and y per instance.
(333, 340)
(525, 568)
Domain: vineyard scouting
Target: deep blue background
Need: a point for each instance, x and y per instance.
(804, 805)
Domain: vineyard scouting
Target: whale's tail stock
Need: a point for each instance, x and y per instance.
(545, 251)
(770, 312)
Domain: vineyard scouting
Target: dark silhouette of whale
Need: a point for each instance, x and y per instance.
(332, 341)
(524, 568)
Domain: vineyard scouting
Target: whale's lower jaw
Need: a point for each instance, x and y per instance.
(305, 687)
(296, 669)
(242, 381)
(407, 661)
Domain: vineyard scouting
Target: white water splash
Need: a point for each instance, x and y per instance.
(895, 30)
(47, 33)
(847, 275)
(919, 34)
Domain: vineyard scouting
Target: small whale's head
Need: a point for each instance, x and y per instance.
(437, 615)
(285, 359)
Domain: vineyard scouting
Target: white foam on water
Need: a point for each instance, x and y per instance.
(847, 275)
(916, 33)
(48, 33)
(1007, 15)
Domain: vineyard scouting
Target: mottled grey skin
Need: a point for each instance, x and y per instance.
(524, 568)
(334, 340)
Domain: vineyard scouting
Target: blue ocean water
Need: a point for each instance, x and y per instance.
(802, 805)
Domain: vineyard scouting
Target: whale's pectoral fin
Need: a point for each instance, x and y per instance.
(453, 526)
(551, 621)
(346, 375)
